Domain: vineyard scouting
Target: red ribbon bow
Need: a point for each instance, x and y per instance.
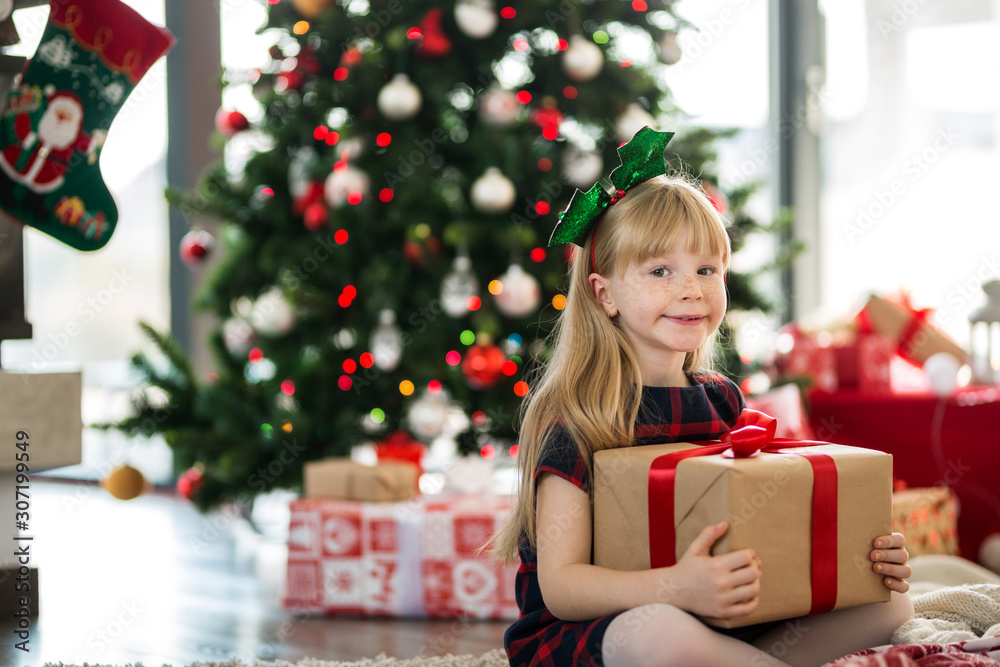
(753, 433)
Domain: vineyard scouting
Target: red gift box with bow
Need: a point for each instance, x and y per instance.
(811, 510)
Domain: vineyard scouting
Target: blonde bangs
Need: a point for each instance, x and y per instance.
(653, 214)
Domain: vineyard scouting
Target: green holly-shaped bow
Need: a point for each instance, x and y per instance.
(642, 159)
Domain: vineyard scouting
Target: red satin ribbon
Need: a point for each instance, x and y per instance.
(753, 433)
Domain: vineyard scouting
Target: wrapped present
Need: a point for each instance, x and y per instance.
(344, 479)
(413, 559)
(864, 363)
(916, 339)
(784, 403)
(458, 582)
(928, 518)
(809, 358)
(811, 510)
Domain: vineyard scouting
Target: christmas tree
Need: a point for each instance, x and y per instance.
(385, 247)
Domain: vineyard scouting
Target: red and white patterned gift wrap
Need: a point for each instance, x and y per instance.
(415, 558)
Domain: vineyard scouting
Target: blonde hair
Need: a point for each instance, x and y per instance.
(592, 384)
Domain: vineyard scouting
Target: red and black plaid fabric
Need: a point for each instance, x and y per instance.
(667, 414)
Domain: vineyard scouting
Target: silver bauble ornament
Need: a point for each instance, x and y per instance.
(272, 315)
(499, 107)
(582, 168)
(344, 185)
(476, 18)
(582, 60)
(238, 336)
(387, 342)
(493, 192)
(633, 119)
(521, 293)
(458, 287)
(428, 415)
(670, 49)
(399, 99)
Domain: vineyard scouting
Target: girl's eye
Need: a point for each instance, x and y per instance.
(660, 272)
(707, 270)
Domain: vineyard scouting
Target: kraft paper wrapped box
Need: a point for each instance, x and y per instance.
(916, 338)
(768, 499)
(344, 479)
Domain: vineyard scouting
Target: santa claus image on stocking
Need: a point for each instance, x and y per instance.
(43, 152)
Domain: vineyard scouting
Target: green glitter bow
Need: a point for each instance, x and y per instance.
(642, 159)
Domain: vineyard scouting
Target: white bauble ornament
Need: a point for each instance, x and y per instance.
(493, 192)
(387, 342)
(499, 107)
(942, 371)
(344, 185)
(458, 287)
(428, 415)
(272, 315)
(238, 336)
(399, 99)
(670, 50)
(6, 9)
(582, 168)
(521, 293)
(631, 121)
(582, 59)
(476, 18)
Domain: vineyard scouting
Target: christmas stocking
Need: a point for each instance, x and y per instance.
(92, 55)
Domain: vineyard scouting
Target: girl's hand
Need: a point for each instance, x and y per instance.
(890, 560)
(723, 586)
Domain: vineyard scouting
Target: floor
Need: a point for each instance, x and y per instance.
(151, 580)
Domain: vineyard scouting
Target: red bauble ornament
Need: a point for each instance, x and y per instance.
(401, 446)
(417, 253)
(433, 42)
(311, 193)
(307, 62)
(315, 216)
(190, 482)
(350, 57)
(482, 366)
(547, 117)
(229, 122)
(195, 246)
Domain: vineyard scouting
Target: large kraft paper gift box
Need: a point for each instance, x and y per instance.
(344, 479)
(814, 540)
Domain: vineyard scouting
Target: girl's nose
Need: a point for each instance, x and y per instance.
(690, 289)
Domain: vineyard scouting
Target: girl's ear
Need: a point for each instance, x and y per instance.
(599, 286)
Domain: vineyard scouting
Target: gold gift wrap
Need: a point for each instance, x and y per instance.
(768, 501)
(927, 517)
(344, 479)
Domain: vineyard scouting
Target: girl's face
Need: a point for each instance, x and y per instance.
(667, 306)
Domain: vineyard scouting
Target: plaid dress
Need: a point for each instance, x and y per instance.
(667, 414)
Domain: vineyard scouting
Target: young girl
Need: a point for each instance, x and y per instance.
(646, 297)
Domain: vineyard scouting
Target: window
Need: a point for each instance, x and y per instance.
(85, 307)
(911, 157)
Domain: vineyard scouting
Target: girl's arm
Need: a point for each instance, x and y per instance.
(574, 590)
